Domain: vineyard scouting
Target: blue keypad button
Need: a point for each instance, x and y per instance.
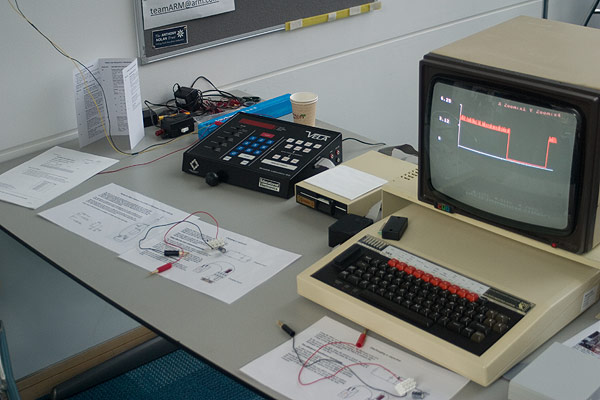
(254, 145)
(252, 138)
(257, 152)
(260, 140)
(233, 153)
(246, 143)
(264, 147)
(248, 150)
(240, 148)
(270, 141)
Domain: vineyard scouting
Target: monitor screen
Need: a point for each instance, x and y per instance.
(511, 159)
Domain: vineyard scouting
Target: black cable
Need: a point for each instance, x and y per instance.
(333, 360)
(363, 142)
(61, 52)
(169, 224)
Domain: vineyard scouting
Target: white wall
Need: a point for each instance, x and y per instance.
(364, 68)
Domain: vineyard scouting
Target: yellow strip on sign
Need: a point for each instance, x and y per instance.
(320, 19)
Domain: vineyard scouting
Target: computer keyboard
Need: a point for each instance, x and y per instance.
(449, 305)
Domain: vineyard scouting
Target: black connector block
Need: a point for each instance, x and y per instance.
(177, 125)
(346, 227)
(394, 228)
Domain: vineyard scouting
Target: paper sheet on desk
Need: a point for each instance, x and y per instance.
(52, 173)
(346, 181)
(112, 216)
(279, 368)
(227, 276)
(117, 219)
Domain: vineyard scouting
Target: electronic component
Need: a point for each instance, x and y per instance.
(530, 130)
(187, 98)
(177, 125)
(263, 154)
(217, 244)
(394, 228)
(539, 292)
(346, 227)
(405, 386)
(392, 169)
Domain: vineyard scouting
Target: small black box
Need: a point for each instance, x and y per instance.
(177, 125)
(346, 227)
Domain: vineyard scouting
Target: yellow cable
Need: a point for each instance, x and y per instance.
(64, 53)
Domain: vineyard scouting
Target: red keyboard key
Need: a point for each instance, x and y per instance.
(472, 297)
(409, 269)
(444, 285)
(418, 273)
(462, 293)
(453, 289)
(435, 281)
(393, 262)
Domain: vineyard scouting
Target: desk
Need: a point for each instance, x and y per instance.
(228, 336)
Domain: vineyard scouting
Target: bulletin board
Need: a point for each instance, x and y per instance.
(249, 19)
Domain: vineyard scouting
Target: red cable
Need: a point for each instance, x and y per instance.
(183, 220)
(149, 162)
(339, 370)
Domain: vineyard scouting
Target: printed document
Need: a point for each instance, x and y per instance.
(375, 369)
(134, 226)
(112, 216)
(115, 105)
(41, 179)
(226, 274)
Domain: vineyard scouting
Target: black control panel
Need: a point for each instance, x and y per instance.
(263, 154)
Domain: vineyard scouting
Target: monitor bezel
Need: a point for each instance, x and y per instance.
(583, 197)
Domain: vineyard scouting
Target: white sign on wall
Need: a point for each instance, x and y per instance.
(158, 13)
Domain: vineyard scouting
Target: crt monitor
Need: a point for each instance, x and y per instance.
(511, 140)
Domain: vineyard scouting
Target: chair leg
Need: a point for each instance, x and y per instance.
(592, 12)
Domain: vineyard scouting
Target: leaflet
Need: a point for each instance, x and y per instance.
(52, 173)
(108, 101)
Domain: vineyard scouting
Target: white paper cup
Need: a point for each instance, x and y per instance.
(304, 107)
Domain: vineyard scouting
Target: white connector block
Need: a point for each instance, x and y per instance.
(405, 386)
(217, 244)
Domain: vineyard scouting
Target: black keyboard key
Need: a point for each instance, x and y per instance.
(467, 332)
(344, 259)
(479, 327)
(393, 308)
(354, 280)
(478, 337)
(454, 326)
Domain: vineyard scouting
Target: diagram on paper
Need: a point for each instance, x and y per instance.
(226, 273)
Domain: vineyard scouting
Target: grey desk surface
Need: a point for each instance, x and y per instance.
(227, 335)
